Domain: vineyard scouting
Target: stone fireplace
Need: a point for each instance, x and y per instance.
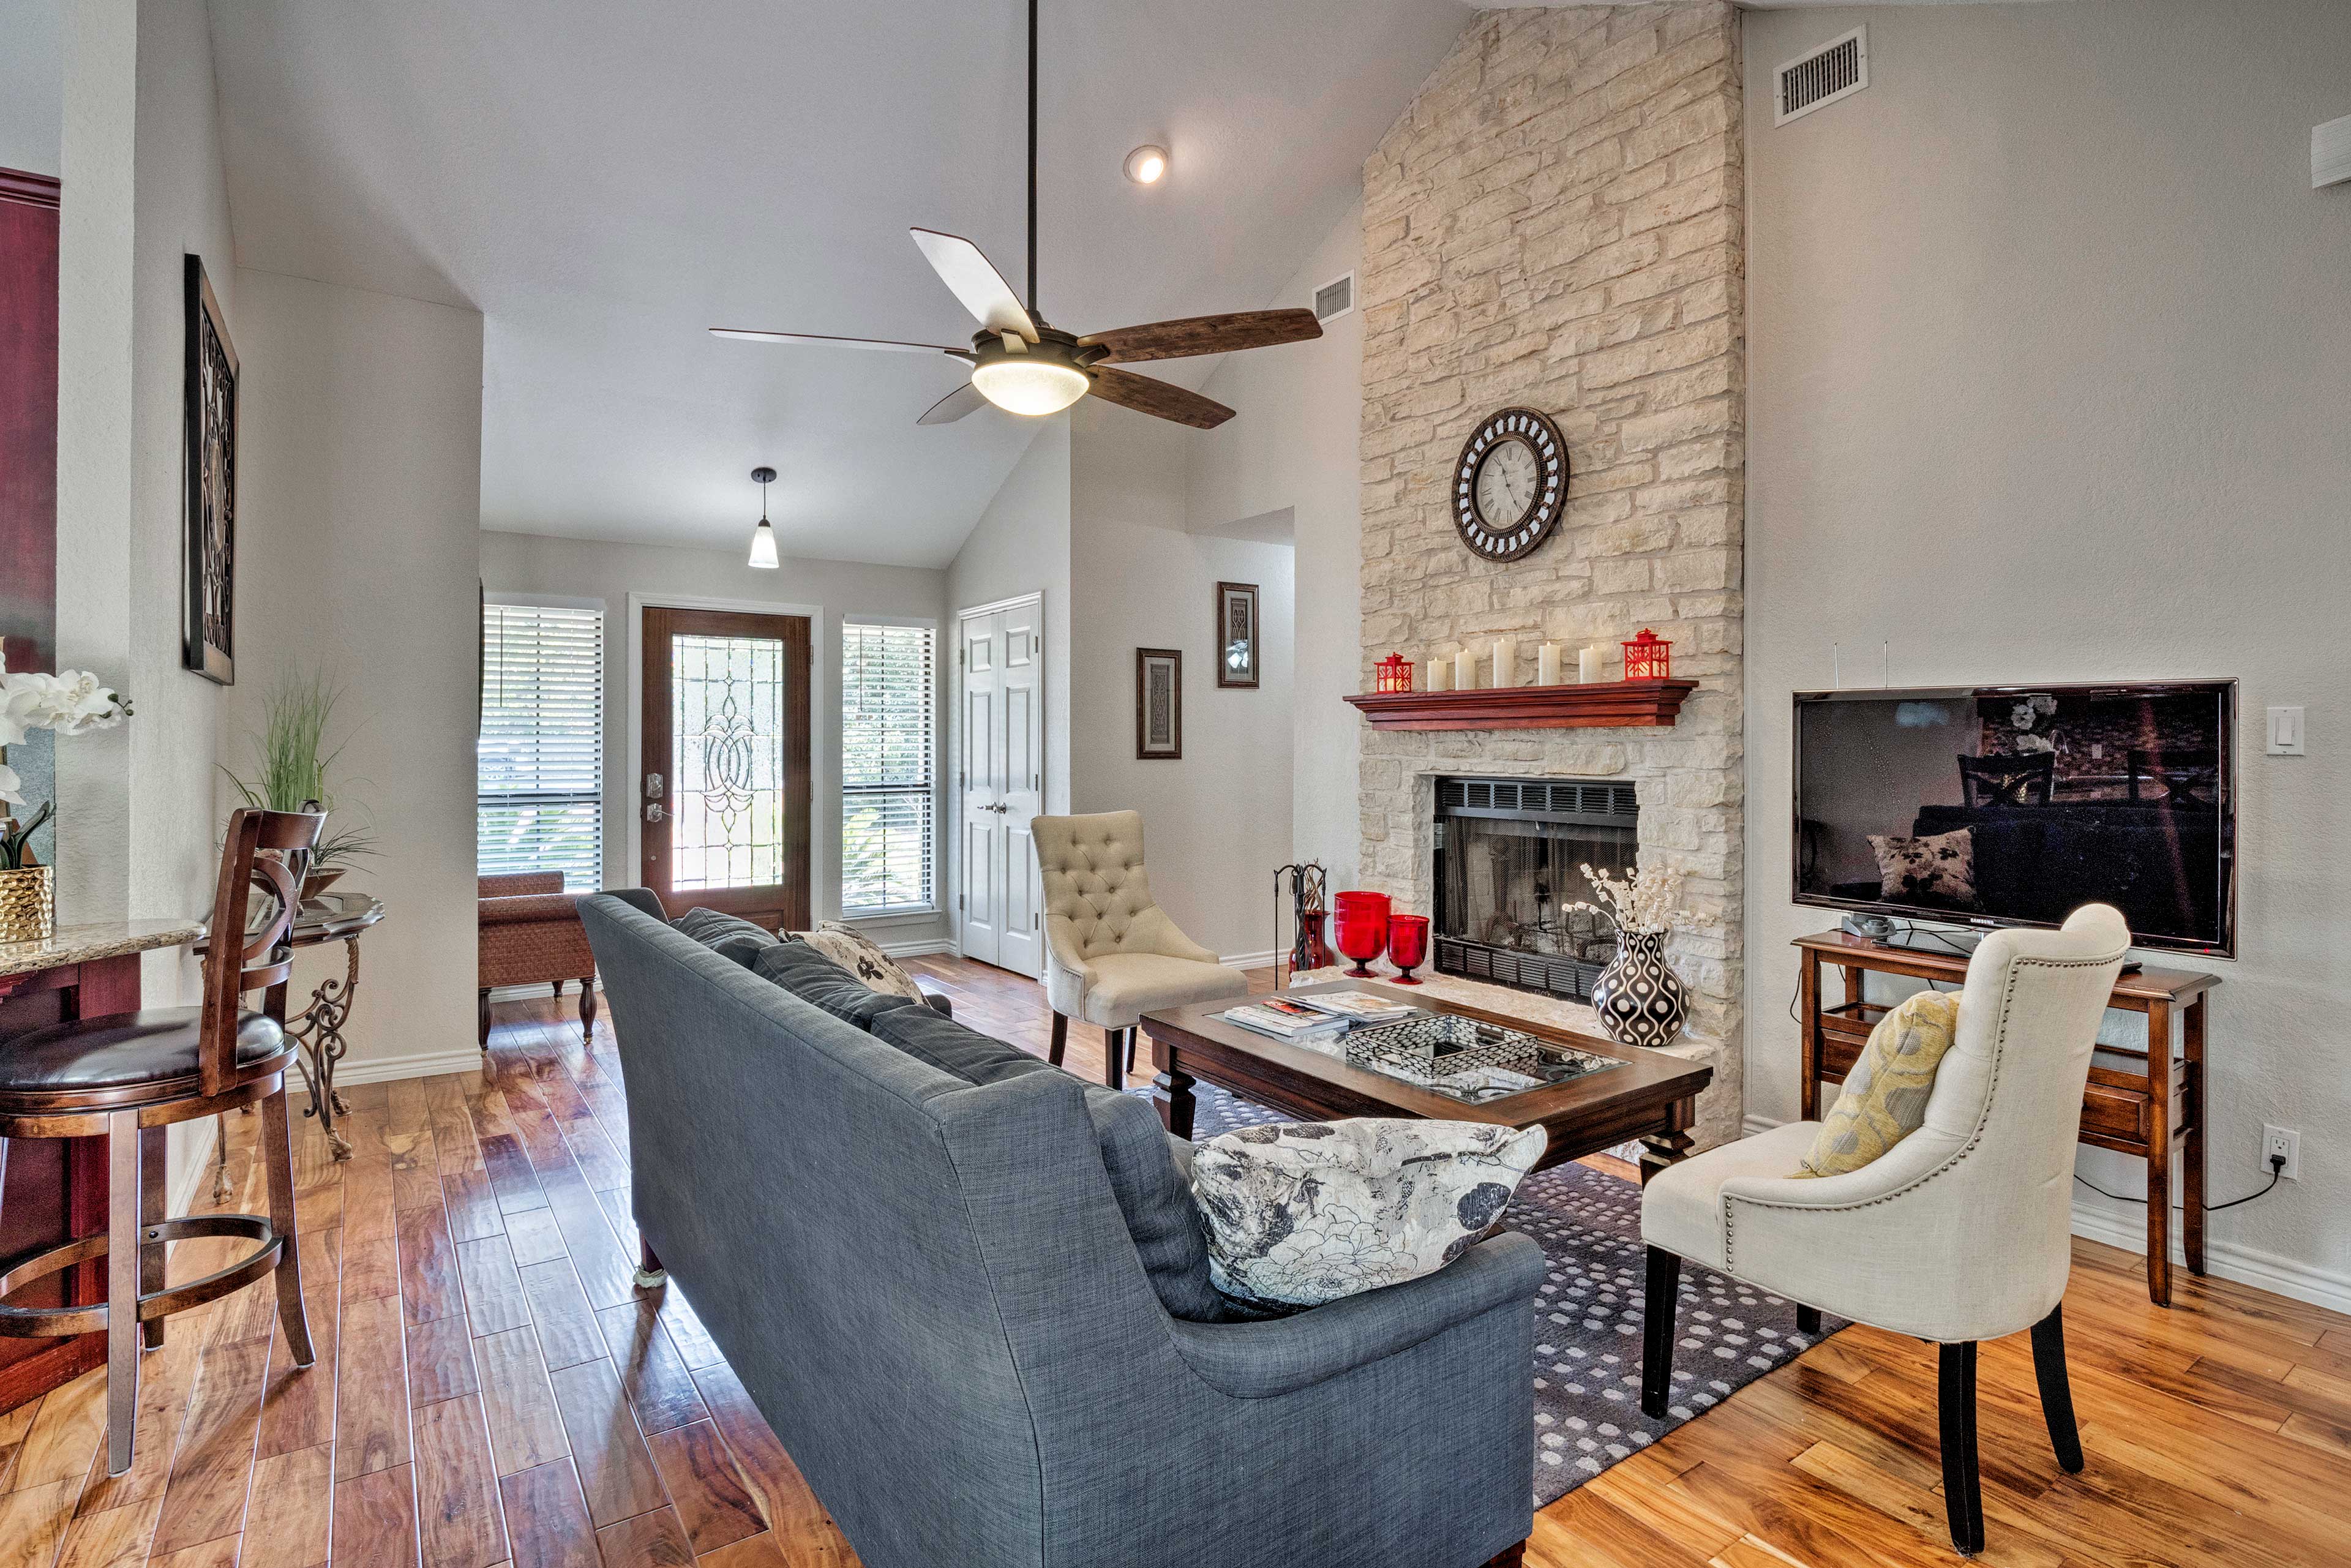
(1555, 224)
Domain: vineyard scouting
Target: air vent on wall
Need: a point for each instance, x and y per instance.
(1336, 298)
(1837, 69)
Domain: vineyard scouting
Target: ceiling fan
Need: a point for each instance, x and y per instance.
(1024, 365)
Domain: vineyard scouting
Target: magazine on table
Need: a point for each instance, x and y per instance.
(1282, 1018)
(1317, 1017)
(1357, 1007)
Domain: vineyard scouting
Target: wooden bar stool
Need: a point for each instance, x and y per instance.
(122, 1074)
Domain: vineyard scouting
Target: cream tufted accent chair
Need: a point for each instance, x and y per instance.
(1111, 954)
(1961, 1232)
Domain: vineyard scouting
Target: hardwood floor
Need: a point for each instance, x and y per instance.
(492, 1389)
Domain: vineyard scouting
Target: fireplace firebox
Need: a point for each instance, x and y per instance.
(1509, 853)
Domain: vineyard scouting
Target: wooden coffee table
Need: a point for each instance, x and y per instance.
(1651, 1098)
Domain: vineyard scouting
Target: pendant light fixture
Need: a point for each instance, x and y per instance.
(763, 538)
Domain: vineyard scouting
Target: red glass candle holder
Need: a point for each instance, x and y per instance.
(1407, 945)
(1360, 928)
(1393, 674)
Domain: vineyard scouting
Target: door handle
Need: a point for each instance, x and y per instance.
(653, 813)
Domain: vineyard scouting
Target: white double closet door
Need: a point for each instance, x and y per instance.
(1000, 669)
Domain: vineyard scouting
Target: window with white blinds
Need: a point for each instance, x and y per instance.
(887, 703)
(539, 790)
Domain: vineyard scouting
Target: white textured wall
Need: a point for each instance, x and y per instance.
(2050, 351)
(1021, 545)
(1292, 446)
(32, 84)
(140, 154)
(587, 568)
(1217, 820)
(359, 529)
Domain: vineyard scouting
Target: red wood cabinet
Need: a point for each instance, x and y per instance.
(55, 1188)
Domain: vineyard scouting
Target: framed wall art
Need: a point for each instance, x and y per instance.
(208, 631)
(1235, 642)
(1158, 704)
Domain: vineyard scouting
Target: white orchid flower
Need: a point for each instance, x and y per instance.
(70, 702)
(11, 788)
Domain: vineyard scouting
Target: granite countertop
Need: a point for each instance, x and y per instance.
(101, 939)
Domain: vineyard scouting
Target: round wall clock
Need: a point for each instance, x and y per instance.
(1510, 486)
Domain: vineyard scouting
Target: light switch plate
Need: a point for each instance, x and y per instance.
(2286, 732)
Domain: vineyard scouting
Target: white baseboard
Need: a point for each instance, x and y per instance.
(2126, 1229)
(203, 1131)
(535, 991)
(1254, 960)
(386, 1070)
(2227, 1259)
(917, 949)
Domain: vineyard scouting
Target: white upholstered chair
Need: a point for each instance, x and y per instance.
(1961, 1232)
(1111, 954)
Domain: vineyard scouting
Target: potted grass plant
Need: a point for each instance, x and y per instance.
(293, 759)
(70, 702)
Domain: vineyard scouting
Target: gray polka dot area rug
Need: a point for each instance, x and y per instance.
(1587, 1364)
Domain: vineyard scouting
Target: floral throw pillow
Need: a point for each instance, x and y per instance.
(1306, 1212)
(1938, 869)
(855, 952)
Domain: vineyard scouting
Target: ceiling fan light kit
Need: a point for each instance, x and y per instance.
(1146, 163)
(1029, 384)
(763, 538)
(1023, 365)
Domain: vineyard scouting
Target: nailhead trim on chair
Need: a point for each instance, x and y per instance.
(2006, 1004)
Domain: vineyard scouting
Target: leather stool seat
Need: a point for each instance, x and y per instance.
(122, 1051)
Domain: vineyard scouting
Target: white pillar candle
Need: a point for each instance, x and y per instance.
(1506, 661)
(1440, 673)
(1547, 664)
(1464, 671)
(1588, 667)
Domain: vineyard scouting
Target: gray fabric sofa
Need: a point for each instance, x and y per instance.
(925, 1276)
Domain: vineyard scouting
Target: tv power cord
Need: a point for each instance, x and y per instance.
(2277, 1171)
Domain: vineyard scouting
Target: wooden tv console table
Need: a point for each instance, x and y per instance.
(2143, 1113)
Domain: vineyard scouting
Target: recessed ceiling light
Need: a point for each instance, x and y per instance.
(1146, 163)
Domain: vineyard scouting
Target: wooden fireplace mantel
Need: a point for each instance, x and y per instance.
(1600, 705)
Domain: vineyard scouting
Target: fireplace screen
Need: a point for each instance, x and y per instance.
(1507, 853)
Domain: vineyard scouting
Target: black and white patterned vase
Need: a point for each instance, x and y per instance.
(1640, 1001)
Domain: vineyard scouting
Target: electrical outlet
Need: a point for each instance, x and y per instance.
(2286, 1141)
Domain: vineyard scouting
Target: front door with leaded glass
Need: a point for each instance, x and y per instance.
(722, 788)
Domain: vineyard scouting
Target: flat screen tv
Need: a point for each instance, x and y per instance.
(2016, 805)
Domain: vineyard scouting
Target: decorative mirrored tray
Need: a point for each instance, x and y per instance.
(1468, 1060)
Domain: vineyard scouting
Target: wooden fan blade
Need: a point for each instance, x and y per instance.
(1203, 335)
(817, 340)
(973, 279)
(1144, 395)
(953, 406)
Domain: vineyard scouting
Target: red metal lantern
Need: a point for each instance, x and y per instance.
(1393, 674)
(1648, 657)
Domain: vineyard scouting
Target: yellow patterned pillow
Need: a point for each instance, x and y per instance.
(1884, 1100)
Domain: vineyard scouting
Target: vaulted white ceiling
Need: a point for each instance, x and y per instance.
(604, 179)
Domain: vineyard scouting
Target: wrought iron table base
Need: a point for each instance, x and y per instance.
(318, 1035)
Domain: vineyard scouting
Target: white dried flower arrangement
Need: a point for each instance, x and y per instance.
(1647, 903)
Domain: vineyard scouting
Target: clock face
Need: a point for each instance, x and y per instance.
(1510, 485)
(1507, 479)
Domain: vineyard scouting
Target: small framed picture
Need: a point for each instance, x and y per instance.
(208, 511)
(1235, 642)
(1158, 704)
